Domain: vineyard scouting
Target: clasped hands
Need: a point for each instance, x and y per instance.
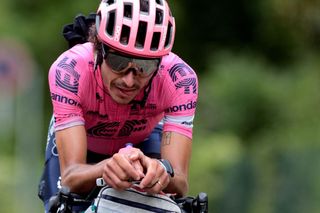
(130, 164)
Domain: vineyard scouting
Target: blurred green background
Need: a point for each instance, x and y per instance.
(257, 129)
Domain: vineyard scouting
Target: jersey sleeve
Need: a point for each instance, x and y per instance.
(182, 95)
(65, 85)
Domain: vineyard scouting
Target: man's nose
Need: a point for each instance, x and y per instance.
(129, 77)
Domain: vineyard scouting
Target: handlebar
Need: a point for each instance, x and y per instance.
(199, 204)
(202, 202)
(59, 202)
(65, 201)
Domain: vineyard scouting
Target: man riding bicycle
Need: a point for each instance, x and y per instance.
(122, 86)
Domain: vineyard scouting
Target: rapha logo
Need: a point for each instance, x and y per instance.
(187, 123)
(66, 76)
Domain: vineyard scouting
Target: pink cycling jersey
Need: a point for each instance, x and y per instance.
(79, 98)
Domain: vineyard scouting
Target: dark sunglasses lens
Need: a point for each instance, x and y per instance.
(147, 66)
(117, 62)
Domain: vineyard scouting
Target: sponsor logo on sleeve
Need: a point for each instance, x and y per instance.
(182, 107)
(186, 121)
(66, 76)
(64, 99)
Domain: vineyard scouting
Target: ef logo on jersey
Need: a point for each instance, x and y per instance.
(183, 77)
(66, 76)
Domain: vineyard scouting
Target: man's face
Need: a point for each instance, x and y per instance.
(123, 87)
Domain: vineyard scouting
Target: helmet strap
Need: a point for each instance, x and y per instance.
(98, 59)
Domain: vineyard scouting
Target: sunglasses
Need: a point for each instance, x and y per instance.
(120, 63)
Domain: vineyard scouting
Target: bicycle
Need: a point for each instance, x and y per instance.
(67, 202)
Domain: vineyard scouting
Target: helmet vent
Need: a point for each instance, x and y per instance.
(159, 16)
(111, 23)
(109, 2)
(155, 41)
(144, 6)
(127, 11)
(159, 2)
(141, 35)
(169, 35)
(125, 34)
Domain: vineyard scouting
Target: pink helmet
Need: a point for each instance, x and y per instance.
(143, 28)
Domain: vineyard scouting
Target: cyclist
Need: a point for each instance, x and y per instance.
(123, 85)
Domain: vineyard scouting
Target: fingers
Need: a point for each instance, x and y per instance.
(138, 167)
(118, 171)
(156, 178)
(160, 185)
(124, 167)
(134, 156)
(114, 181)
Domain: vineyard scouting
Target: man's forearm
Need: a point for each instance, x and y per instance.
(81, 178)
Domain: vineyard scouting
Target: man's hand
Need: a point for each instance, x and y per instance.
(123, 167)
(156, 177)
(131, 164)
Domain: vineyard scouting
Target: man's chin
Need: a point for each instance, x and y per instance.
(121, 100)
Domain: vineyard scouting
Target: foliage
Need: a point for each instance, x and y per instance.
(277, 30)
(264, 124)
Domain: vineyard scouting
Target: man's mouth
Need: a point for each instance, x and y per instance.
(127, 91)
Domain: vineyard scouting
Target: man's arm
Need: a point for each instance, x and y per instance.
(176, 148)
(81, 177)
(72, 148)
